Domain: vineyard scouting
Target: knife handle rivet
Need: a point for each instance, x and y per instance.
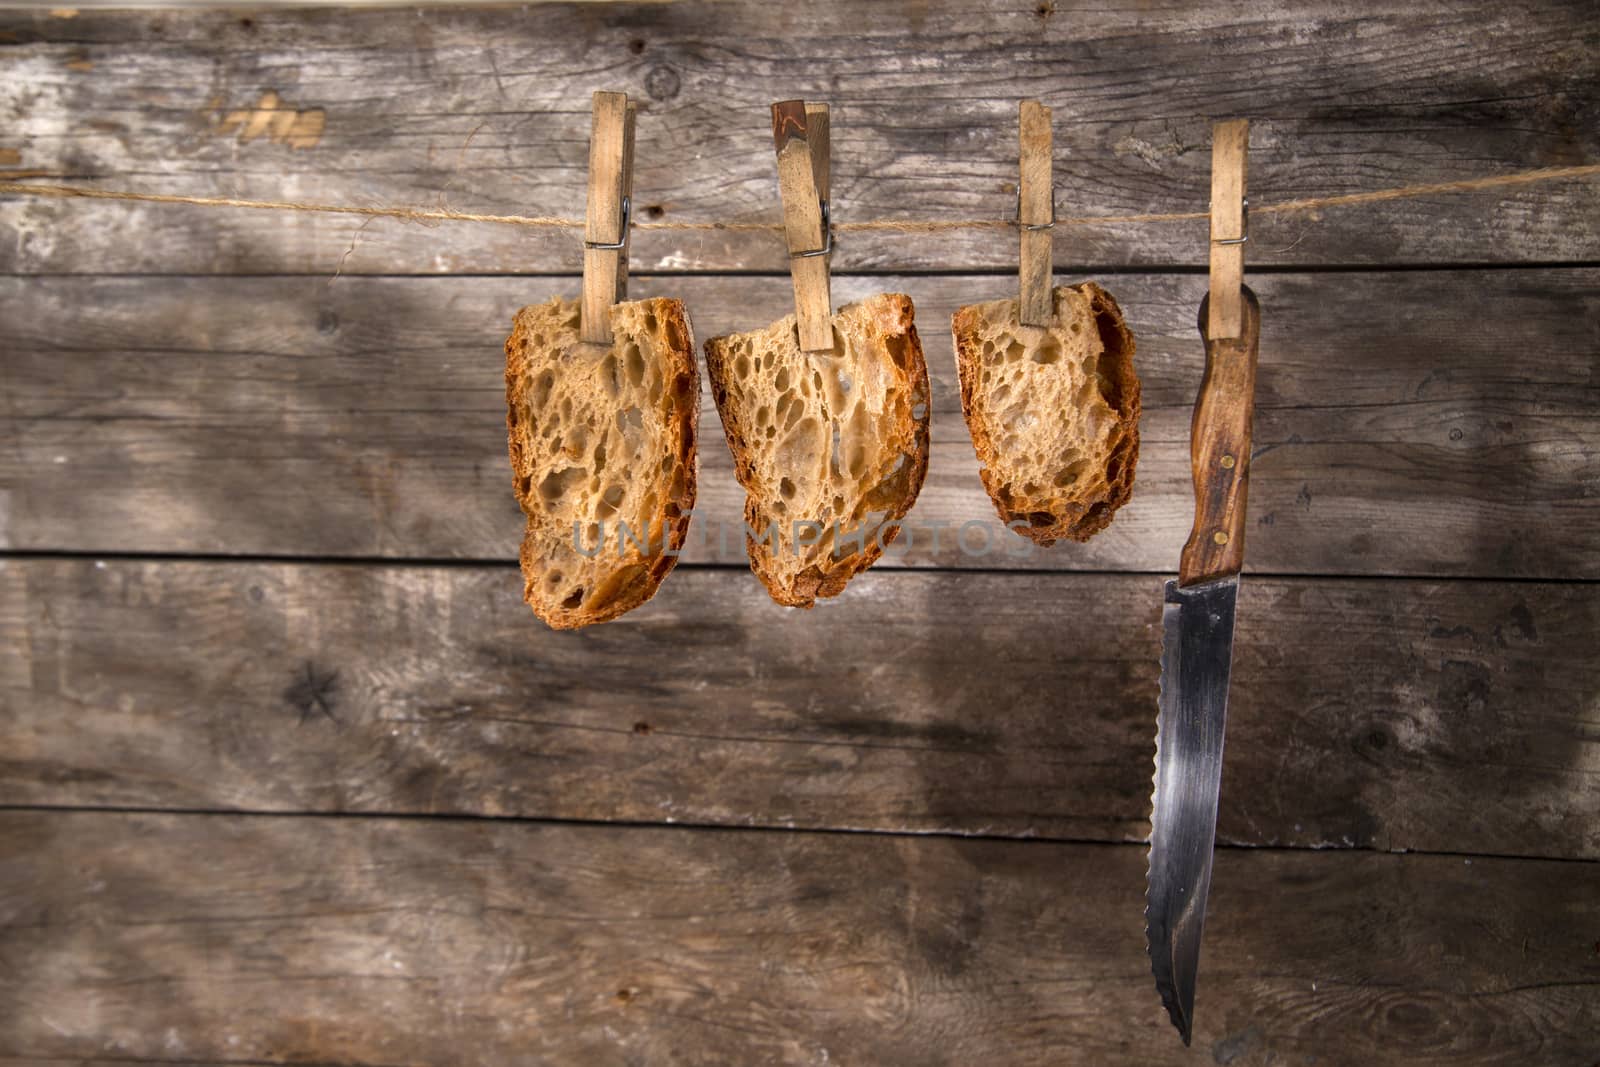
(1220, 537)
(1227, 463)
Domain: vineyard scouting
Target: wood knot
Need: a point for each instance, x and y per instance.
(313, 692)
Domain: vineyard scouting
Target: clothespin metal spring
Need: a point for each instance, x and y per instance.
(1035, 227)
(627, 220)
(1244, 226)
(827, 236)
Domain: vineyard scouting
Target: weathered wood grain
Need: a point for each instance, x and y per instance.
(144, 937)
(1375, 713)
(487, 110)
(1406, 423)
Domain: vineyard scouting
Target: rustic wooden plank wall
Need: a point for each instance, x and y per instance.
(387, 941)
(290, 775)
(425, 690)
(489, 111)
(1399, 430)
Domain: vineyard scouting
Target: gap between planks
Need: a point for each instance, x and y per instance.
(1062, 269)
(748, 828)
(510, 563)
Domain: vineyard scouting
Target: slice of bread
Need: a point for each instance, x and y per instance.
(1053, 411)
(831, 447)
(603, 455)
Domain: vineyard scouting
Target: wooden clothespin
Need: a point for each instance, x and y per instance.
(800, 133)
(1036, 214)
(1230, 227)
(605, 231)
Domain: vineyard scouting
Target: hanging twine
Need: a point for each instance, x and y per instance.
(1286, 207)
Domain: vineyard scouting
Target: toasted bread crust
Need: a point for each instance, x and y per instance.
(543, 338)
(880, 329)
(1087, 505)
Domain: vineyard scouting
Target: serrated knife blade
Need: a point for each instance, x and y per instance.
(1196, 659)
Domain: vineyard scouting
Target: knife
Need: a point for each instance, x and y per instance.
(1197, 610)
(1196, 654)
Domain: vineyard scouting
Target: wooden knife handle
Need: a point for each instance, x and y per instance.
(1219, 449)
